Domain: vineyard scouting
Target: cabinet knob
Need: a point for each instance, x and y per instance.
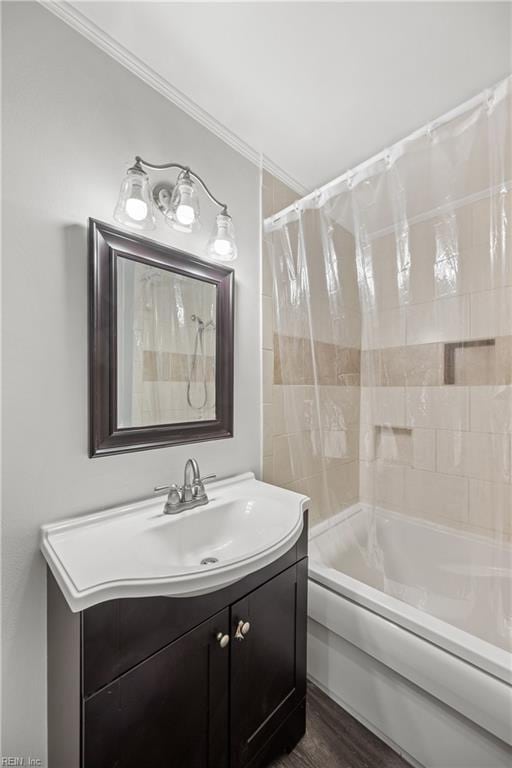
(242, 630)
(222, 640)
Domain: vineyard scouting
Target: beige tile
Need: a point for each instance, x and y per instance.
(343, 486)
(489, 457)
(268, 470)
(278, 415)
(394, 445)
(475, 365)
(383, 328)
(389, 485)
(424, 365)
(382, 484)
(503, 347)
(448, 276)
(490, 505)
(441, 320)
(392, 363)
(422, 245)
(366, 482)
(268, 204)
(383, 406)
(477, 455)
(481, 221)
(299, 486)
(424, 449)
(266, 266)
(338, 406)
(283, 471)
(367, 436)
(296, 456)
(291, 359)
(320, 508)
(482, 270)
(418, 365)
(267, 322)
(491, 313)
(345, 325)
(421, 275)
(437, 407)
(268, 372)
(452, 452)
(268, 429)
(306, 453)
(283, 195)
(385, 271)
(491, 409)
(432, 495)
(300, 408)
(339, 445)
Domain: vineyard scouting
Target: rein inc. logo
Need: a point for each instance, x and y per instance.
(21, 761)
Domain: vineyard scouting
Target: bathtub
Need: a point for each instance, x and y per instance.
(410, 629)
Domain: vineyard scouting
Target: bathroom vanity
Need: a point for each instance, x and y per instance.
(211, 677)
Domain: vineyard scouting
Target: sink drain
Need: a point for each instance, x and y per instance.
(209, 560)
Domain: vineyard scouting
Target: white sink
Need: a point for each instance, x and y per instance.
(137, 551)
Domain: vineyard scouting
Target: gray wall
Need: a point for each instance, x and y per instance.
(73, 120)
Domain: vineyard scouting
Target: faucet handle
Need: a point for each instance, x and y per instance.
(160, 488)
(198, 488)
(174, 497)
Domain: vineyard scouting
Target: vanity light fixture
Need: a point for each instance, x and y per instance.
(179, 205)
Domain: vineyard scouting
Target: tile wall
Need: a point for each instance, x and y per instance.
(436, 361)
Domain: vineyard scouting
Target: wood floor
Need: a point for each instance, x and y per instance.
(334, 739)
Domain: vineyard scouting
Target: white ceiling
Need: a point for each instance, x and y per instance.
(317, 87)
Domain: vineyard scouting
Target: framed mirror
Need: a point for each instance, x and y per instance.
(161, 345)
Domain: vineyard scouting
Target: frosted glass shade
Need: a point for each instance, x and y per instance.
(222, 245)
(134, 207)
(184, 209)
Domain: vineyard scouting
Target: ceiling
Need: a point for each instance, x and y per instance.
(316, 87)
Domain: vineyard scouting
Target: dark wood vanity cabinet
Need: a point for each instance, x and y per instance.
(171, 709)
(147, 681)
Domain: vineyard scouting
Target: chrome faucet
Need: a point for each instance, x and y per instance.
(189, 495)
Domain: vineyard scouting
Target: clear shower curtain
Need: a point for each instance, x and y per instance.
(393, 345)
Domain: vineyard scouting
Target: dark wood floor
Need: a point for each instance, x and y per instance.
(334, 739)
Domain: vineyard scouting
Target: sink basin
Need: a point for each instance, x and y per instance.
(137, 551)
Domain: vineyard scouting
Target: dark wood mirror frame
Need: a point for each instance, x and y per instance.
(106, 437)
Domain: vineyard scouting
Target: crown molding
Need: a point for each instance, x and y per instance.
(80, 23)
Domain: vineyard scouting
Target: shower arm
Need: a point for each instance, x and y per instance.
(185, 171)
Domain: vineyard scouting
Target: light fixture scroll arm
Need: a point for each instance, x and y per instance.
(139, 162)
(210, 195)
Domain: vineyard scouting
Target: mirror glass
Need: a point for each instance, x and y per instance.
(166, 346)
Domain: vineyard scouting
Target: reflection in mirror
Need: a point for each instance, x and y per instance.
(166, 343)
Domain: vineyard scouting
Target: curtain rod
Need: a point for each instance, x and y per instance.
(499, 90)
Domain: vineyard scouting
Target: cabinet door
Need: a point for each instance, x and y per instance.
(169, 711)
(268, 666)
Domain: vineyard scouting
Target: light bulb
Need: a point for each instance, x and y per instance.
(222, 245)
(185, 214)
(136, 209)
(184, 208)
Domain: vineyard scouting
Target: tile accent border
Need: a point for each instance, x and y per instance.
(173, 366)
(315, 362)
(477, 362)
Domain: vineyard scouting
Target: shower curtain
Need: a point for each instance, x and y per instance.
(393, 337)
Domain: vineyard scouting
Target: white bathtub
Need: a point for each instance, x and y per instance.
(410, 629)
